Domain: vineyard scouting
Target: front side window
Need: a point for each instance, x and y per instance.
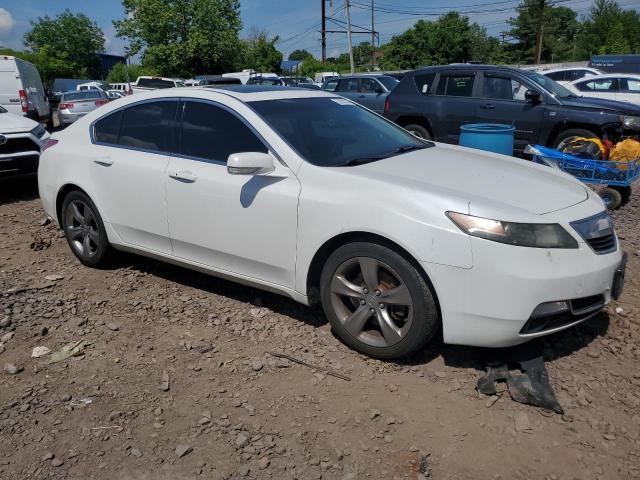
(503, 88)
(149, 126)
(332, 132)
(212, 133)
(633, 85)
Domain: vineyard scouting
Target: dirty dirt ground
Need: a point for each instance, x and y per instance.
(173, 381)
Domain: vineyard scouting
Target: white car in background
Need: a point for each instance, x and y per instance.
(623, 87)
(21, 90)
(567, 75)
(20, 143)
(310, 195)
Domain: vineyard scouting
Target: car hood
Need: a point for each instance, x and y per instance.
(11, 123)
(481, 179)
(602, 104)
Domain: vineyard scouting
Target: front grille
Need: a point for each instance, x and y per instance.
(603, 244)
(598, 232)
(581, 309)
(17, 145)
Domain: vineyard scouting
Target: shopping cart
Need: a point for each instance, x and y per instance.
(616, 178)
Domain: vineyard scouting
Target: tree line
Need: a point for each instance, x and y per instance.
(183, 38)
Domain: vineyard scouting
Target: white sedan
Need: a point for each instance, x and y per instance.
(310, 195)
(623, 87)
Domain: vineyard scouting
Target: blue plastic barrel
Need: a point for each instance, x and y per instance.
(492, 137)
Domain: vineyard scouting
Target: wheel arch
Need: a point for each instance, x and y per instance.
(405, 120)
(337, 241)
(62, 193)
(561, 127)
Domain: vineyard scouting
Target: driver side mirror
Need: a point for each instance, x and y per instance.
(532, 96)
(250, 163)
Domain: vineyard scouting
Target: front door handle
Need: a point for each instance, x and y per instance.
(104, 161)
(183, 176)
(488, 106)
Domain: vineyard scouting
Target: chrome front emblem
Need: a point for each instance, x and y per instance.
(3, 139)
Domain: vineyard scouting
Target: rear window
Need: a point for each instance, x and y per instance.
(556, 76)
(86, 95)
(149, 126)
(155, 83)
(456, 85)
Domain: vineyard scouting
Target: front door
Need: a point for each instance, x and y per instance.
(242, 224)
(503, 101)
(372, 95)
(129, 158)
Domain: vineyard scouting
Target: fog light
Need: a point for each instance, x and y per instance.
(550, 308)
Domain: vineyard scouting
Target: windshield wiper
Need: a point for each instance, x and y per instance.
(360, 161)
(408, 148)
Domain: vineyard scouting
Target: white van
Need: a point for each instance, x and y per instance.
(21, 90)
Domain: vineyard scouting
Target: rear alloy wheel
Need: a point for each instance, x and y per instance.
(84, 229)
(418, 131)
(377, 302)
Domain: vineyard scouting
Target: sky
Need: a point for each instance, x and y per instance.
(296, 22)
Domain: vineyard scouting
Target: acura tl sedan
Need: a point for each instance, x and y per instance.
(312, 196)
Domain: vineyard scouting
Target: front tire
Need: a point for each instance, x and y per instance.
(84, 230)
(568, 135)
(377, 302)
(419, 131)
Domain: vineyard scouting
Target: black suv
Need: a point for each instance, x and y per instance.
(433, 102)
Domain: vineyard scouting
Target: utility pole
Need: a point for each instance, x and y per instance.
(324, 31)
(373, 37)
(346, 4)
(542, 5)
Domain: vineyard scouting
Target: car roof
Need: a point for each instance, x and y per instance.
(464, 66)
(605, 76)
(566, 69)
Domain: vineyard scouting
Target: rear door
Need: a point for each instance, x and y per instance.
(503, 102)
(10, 86)
(32, 84)
(456, 103)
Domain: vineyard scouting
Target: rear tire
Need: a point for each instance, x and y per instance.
(611, 198)
(84, 230)
(625, 193)
(564, 137)
(419, 131)
(377, 302)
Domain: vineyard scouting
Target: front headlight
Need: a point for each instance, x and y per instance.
(538, 235)
(630, 122)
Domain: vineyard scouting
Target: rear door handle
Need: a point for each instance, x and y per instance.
(183, 176)
(488, 106)
(104, 161)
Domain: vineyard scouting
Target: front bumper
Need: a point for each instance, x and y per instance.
(19, 165)
(490, 304)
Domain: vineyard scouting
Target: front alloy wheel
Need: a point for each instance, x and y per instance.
(377, 301)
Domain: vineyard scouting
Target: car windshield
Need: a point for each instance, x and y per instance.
(75, 96)
(389, 82)
(333, 132)
(552, 86)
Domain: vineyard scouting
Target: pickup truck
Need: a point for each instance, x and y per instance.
(144, 84)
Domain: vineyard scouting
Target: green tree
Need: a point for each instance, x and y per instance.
(121, 73)
(609, 29)
(451, 38)
(66, 44)
(260, 52)
(559, 34)
(299, 54)
(183, 37)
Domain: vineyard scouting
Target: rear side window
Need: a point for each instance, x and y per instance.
(369, 85)
(456, 85)
(424, 82)
(348, 85)
(212, 133)
(149, 126)
(604, 85)
(557, 76)
(106, 130)
(155, 83)
(633, 86)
